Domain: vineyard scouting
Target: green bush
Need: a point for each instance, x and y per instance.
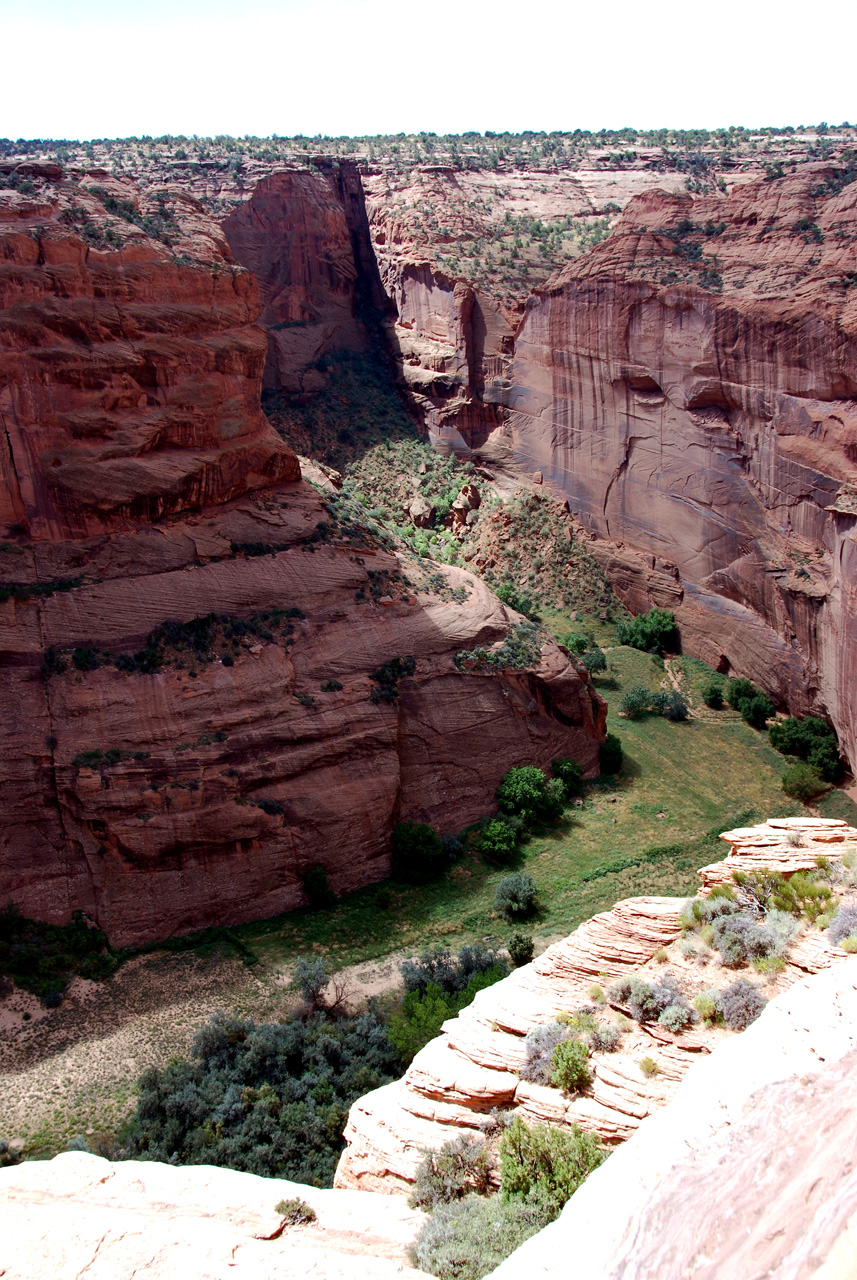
(466, 1239)
(570, 1066)
(611, 754)
(594, 660)
(317, 887)
(296, 1212)
(516, 895)
(712, 694)
(676, 708)
(758, 711)
(812, 740)
(570, 774)
(521, 949)
(498, 843)
(544, 1166)
(576, 642)
(803, 782)
(652, 632)
(418, 854)
(424, 1012)
(635, 702)
(524, 790)
(458, 1169)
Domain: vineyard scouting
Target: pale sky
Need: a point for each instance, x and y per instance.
(111, 68)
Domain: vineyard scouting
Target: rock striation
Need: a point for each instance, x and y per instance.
(81, 1216)
(474, 1066)
(195, 782)
(690, 386)
(746, 1172)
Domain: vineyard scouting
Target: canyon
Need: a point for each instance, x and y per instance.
(163, 773)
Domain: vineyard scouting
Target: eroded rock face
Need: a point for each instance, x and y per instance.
(143, 485)
(690, 386)
(80, 1216)
(475, 1064)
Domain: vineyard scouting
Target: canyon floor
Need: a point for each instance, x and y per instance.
(72, 1071)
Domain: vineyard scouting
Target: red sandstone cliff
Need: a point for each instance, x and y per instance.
(691, 385)
(142, 484)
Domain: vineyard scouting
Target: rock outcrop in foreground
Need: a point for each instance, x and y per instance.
(79, 1217)
(691, 387)
(190, 643)
(748, 1172)
(473, 1066)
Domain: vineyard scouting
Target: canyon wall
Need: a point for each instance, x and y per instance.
(691, 386)
(162, 773)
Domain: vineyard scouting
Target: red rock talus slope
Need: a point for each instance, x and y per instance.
(195, 784)
(475, 1064)
(691, 385)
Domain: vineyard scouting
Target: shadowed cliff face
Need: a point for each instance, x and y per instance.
(691, 387)
(195, 783)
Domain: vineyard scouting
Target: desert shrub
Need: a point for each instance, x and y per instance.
(653, 631)
(803, 782)
(466, 1239)
(648, 1066)
(296, 1212)
(310, 977)
(570, 774)
(524, 791)
(8, 1155)
(611, 754)
(677, 708)
(783, 928)
(516, 895)
(387, 678)
(658, 702)
(457, 1169)
(843, 924)
(635, 702)
(675, 1018)
(521, 949)
(451, 973)
(418, 855)
(712, 694)
(266, 1098)
(543, 1166)
(540, 1045)
(604, 1038)
(740, 939)
(646, 1000)
(498, 843)
(740, 1004)
(707, 1005)
(570, 1066)
(317, 887)
(331, 686)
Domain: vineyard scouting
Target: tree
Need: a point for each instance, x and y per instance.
(594, 660)
(516, 895)
(498, 841)
(803, 782)
(524, 791)
(611, 755)
(570, 774)
(652, 632)
(418, 854)
(545, 1166)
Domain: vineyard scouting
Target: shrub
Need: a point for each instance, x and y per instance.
(648, 1066)
(611, 754)
(712, 695)
(466, 1239)
(758, 711)
(425, 1010)
(658, 702)
(418, 855)
(645, 1000)
(824, 756)
(707, 1005)
(783, 928)
(570, 1066)
(843, 924)
(594, 660)
(8, 1155)
(653, 631)
(545, 1166)
(296, 1212)
(570, 774)
(516, 895)
(677, 708)
(635, 702)
(498, 843)
(739, 692)
(740, 939)
(521, 949)
(803, 782)
(796, 737)
(676, 1017)
(576, 642)
(540, 1044)
(604, 1038)
(451, 973)
(741, 1004)
(524, 791)
(317, 887)
(457, 1169)
(331, 686)
(266, 1098)
(311, 976)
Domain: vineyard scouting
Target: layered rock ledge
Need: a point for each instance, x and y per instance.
(474, 1065)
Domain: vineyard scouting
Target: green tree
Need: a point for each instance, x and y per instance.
(545, 1166)
(418, 855)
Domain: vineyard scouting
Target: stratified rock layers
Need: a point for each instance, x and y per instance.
(475, 1065)
(143, 484)
(690, 386)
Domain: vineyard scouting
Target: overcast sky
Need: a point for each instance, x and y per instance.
(93, 68)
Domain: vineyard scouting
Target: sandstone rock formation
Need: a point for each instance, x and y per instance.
(747, 1172)
(142, 486)
(473, 1066)
(80, 1216)
(690, 386)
